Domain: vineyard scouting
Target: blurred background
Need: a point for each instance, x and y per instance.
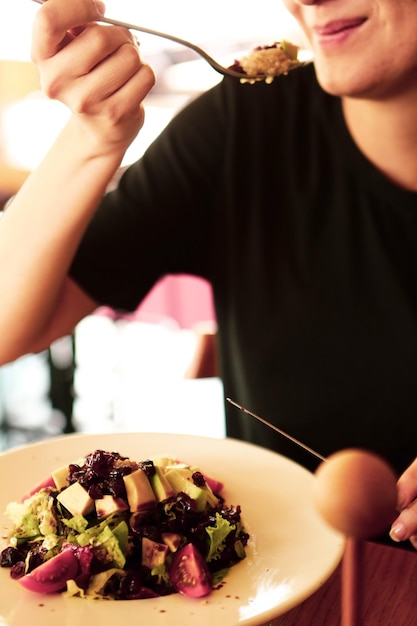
(140, 372)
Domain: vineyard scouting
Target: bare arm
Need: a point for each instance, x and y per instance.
(97, 72)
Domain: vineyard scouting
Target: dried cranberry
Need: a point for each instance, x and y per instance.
(148, 467)
(18, 570)
(198, 479)
(10, 556)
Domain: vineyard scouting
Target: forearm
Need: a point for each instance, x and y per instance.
(40, 233)
(98, 73)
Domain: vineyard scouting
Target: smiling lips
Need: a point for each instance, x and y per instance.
(337, 30)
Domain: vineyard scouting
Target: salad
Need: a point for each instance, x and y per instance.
(108, 527)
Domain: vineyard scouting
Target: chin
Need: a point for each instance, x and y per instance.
(343, 82)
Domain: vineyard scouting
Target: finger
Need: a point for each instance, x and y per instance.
(109, 79)
(110, 75)
(95, 48)
(55, 19)
(407, 486)
(405, 526)
(132, 92)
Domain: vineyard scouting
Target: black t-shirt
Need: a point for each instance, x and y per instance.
(311, 253)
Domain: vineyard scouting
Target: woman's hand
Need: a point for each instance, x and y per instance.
(405, 526)
(95, 69)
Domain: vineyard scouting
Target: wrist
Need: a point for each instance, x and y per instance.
(96, 140)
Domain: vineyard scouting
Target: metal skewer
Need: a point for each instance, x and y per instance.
(278, 430)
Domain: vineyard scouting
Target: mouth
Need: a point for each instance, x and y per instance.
(337, 30)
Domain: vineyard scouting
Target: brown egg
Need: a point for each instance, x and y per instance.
(356, 493)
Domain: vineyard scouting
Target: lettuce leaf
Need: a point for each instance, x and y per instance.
(217, 535)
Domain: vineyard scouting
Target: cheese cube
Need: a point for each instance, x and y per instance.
(107, 505)
(60, 476)
(76, 500)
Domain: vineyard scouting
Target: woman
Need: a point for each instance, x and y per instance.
(296, 200)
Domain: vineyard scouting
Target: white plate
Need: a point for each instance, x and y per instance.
(291, 552)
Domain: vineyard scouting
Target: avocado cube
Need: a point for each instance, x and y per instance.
(160, 485)
(153, 553)
(290, 49)
(139, 492)
(181, 480)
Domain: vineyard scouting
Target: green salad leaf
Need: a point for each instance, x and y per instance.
(217, 535)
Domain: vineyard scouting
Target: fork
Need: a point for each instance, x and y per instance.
(221, 69)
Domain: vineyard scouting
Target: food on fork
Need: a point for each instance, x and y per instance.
(268, 61)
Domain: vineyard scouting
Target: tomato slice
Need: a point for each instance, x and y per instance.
(189, 574)
(52, 575)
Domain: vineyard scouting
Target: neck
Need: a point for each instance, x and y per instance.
(386, 133)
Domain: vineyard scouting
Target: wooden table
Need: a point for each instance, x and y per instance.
(389, 592)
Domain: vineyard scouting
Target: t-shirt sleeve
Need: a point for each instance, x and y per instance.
(157, 220)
